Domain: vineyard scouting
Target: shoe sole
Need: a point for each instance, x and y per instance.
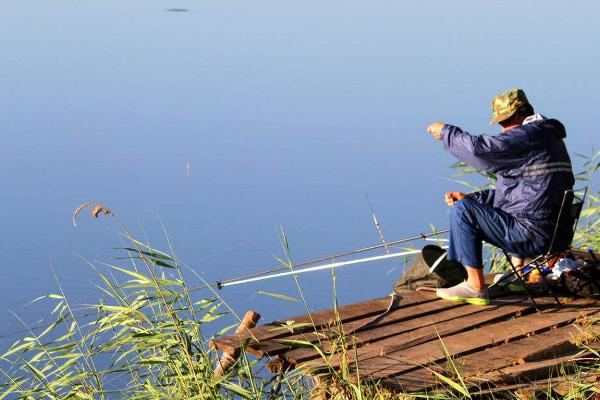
(478, 301)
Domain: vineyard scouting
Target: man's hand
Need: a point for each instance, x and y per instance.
(435, 130)
(452, 197)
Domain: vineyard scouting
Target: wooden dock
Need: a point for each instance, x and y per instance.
(502, 346)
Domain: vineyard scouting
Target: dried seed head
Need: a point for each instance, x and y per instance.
(99, 208)
(96, 210)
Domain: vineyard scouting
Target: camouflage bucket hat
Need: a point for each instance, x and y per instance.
(506, 104)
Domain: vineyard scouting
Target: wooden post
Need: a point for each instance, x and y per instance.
(228, 359)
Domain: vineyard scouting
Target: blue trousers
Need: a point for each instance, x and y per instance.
(472, 222)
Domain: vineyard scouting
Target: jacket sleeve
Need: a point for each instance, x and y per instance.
(485, 196)
(490, 153)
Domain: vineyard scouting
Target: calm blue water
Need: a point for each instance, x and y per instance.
(288, 113)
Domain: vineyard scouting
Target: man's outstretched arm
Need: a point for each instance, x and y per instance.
(491, 153)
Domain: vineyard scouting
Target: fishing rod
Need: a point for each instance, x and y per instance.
(223, 283)
(318, 268)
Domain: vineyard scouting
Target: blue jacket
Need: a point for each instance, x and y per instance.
(532, 167)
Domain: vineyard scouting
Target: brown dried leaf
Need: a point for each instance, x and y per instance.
(99, 208)
(96, 211)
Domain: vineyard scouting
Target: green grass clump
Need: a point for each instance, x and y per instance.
(145, 340)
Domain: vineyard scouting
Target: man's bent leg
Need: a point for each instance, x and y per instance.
(465, 234)
(466, 242)
(470, 224)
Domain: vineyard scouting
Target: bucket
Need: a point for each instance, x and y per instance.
(430, 268)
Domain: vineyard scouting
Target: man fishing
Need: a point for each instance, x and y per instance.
(533, 169)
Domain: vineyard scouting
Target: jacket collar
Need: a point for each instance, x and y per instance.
(534, 118)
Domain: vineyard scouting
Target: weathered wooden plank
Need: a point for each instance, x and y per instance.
(546, 345)
(420, 311)
(411, 382)
(533, 348)
(560, 385)
(389, 358)
(398, 361)
(351, 312)
(348, 313)
(419, 382)
(275, 346)
(537, 369)
(411, 332)
(431, 332)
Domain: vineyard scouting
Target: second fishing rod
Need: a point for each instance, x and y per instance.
(222, 283)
